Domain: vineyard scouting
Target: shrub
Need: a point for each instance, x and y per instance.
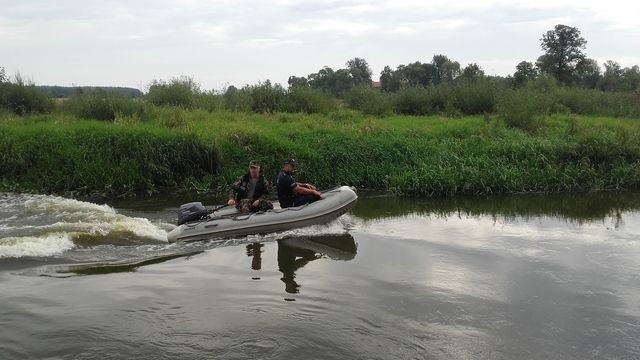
(524, 109)
(265, 98)
(423, 100)
(368, 101)
(23, 98)
(304, 99)
(475, 96)
(99, 105)
(210, 101)
(237, 100)
(180, 91)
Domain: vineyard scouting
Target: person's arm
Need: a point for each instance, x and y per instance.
(308, 186)
(267, 190)
(233, 191)
(302, 190)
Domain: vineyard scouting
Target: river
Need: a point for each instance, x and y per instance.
(515, 277)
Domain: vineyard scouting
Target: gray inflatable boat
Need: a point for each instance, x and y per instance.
(197, 223)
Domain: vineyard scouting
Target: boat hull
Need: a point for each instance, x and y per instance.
(230, 223)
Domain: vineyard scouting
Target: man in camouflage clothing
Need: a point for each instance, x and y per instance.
(250, 193)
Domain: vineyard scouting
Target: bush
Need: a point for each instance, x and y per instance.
(22, 98)
(180, 91)
(304, 99)
(265, 98)
(524, 108)
(423, 100)
(237, 100)
(369, 101)
(475, 96)
(210, 101)
(99, 105)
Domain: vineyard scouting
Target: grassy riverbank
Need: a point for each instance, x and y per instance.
(430, 156)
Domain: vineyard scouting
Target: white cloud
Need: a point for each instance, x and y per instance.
(220, 40)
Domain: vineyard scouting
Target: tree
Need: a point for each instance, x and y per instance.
(359, 71)
(472, 72)
(389, 80)
(631, 79)
(450, 71)
(295, 81)
(612, 76)
(3, 75)
(563, 48)
(587, 73)
(525, 71)
(438, 62)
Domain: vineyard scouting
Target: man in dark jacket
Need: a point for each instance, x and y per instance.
(292, 193)
(250, 193)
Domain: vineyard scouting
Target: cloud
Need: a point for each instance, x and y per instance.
(220, 40)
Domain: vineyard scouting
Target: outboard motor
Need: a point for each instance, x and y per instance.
(193, 211)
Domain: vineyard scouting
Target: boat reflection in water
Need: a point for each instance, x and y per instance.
(296, 252)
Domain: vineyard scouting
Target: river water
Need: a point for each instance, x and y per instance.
(520, 277)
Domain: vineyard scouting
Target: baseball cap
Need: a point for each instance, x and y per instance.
(291, 161)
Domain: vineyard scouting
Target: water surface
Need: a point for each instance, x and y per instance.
(521, 277)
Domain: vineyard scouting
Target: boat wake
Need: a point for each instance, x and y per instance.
(72, 236)
(42, 225)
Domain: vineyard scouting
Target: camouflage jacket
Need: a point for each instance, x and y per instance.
(241, 186)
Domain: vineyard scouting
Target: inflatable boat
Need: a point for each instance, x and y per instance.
(195, 222)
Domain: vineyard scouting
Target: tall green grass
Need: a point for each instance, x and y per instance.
(426, 156)
(87, 156)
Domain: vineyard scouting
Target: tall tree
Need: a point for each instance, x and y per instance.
(450, 71)
(631, 79)
(359, 71)
(295, 81)
(389, 80)
(438, 63)
(472, 72)
(563, 48)
(612, 76)
(525, 71)
(587, 73)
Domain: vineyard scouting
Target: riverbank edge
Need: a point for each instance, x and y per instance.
(410, 156)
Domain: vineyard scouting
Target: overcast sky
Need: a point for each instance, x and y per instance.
(220, 42)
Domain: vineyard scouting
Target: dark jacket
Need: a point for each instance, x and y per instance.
(239, 188)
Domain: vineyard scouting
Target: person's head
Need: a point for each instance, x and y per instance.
(289, 165)
(254, 169)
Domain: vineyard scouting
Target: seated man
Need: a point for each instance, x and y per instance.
(291, 193)
(250, 193)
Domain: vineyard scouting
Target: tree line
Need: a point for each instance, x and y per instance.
(563, 59)
(563, 78)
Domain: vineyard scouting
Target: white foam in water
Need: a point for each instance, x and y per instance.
(49, 245)
(45, 225)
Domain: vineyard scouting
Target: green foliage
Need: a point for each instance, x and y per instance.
(524, 108)
(303, 99)
(429, 156)
(237, 100)
(210, 101)
(369, 101)
(525, 71)
(563, 47)
(48, 157)
(99, 105)
(22, 98)
(181, 92)
(423, 100)
(475, 96)
(61, 92)
(265, 97)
